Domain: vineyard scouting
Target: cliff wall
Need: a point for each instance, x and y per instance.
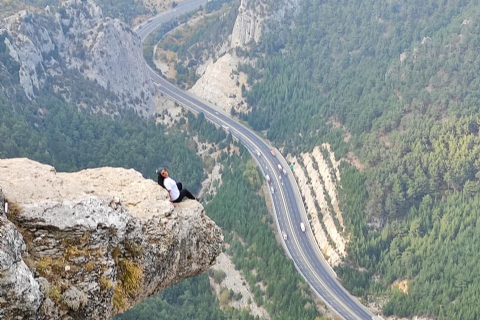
(91, 244)
(221, 83)
(74, 52)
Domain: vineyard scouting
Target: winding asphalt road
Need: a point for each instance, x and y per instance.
(287, 202)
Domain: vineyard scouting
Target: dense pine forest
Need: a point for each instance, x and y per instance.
(190, 299)
(71, 140)
(401, 79)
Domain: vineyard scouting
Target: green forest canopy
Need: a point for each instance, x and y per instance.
(71, 140)
(402, 78)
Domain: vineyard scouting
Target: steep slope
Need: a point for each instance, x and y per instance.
(88, 60)
(93, 243)
(221, 83)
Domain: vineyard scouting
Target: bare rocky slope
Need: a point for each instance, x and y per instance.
(90, 244)
(318, 177)
(78, 54)
(220, 82)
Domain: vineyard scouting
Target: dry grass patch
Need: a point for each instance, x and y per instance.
(131, 276)
(51, 269)
(120, 302)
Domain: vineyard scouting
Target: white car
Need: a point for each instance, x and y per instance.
(273, 190)
(302, 226)
(284, 235)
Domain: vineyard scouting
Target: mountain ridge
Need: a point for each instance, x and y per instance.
(73, 50)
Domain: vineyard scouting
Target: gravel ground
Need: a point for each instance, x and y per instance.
(234, 281)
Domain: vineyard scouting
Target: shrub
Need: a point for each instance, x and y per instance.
(105, 284)
(54, 294)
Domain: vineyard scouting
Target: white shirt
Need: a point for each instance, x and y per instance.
(171, 186)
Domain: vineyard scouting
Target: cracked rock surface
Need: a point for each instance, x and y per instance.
(93, 243)
(76, 44)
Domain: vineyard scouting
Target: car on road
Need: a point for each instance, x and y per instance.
(273, 190)
(284, 235)
(216, 112)
(302, 226)
(272, 152)
(258, 153)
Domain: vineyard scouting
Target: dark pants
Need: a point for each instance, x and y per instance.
(183, 193)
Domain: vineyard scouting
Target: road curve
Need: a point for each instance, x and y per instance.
(287, 202)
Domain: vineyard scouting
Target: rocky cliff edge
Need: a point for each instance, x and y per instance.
(91, 244)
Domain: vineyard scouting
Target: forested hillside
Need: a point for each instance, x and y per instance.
(190, 299)
(52, 132)
(401, 78)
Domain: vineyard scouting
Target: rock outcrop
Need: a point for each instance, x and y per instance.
(74, 51)
(91, 244)
(252, 15)
(248, 25)
(221, 83)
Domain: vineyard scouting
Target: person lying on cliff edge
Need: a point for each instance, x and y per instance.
(175, 189)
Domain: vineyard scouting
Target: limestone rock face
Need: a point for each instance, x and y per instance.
(20, 292)
(220, 82)
(77, 49)
(90, 244)
(252, 15)
(221, 85)
(248, 25)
